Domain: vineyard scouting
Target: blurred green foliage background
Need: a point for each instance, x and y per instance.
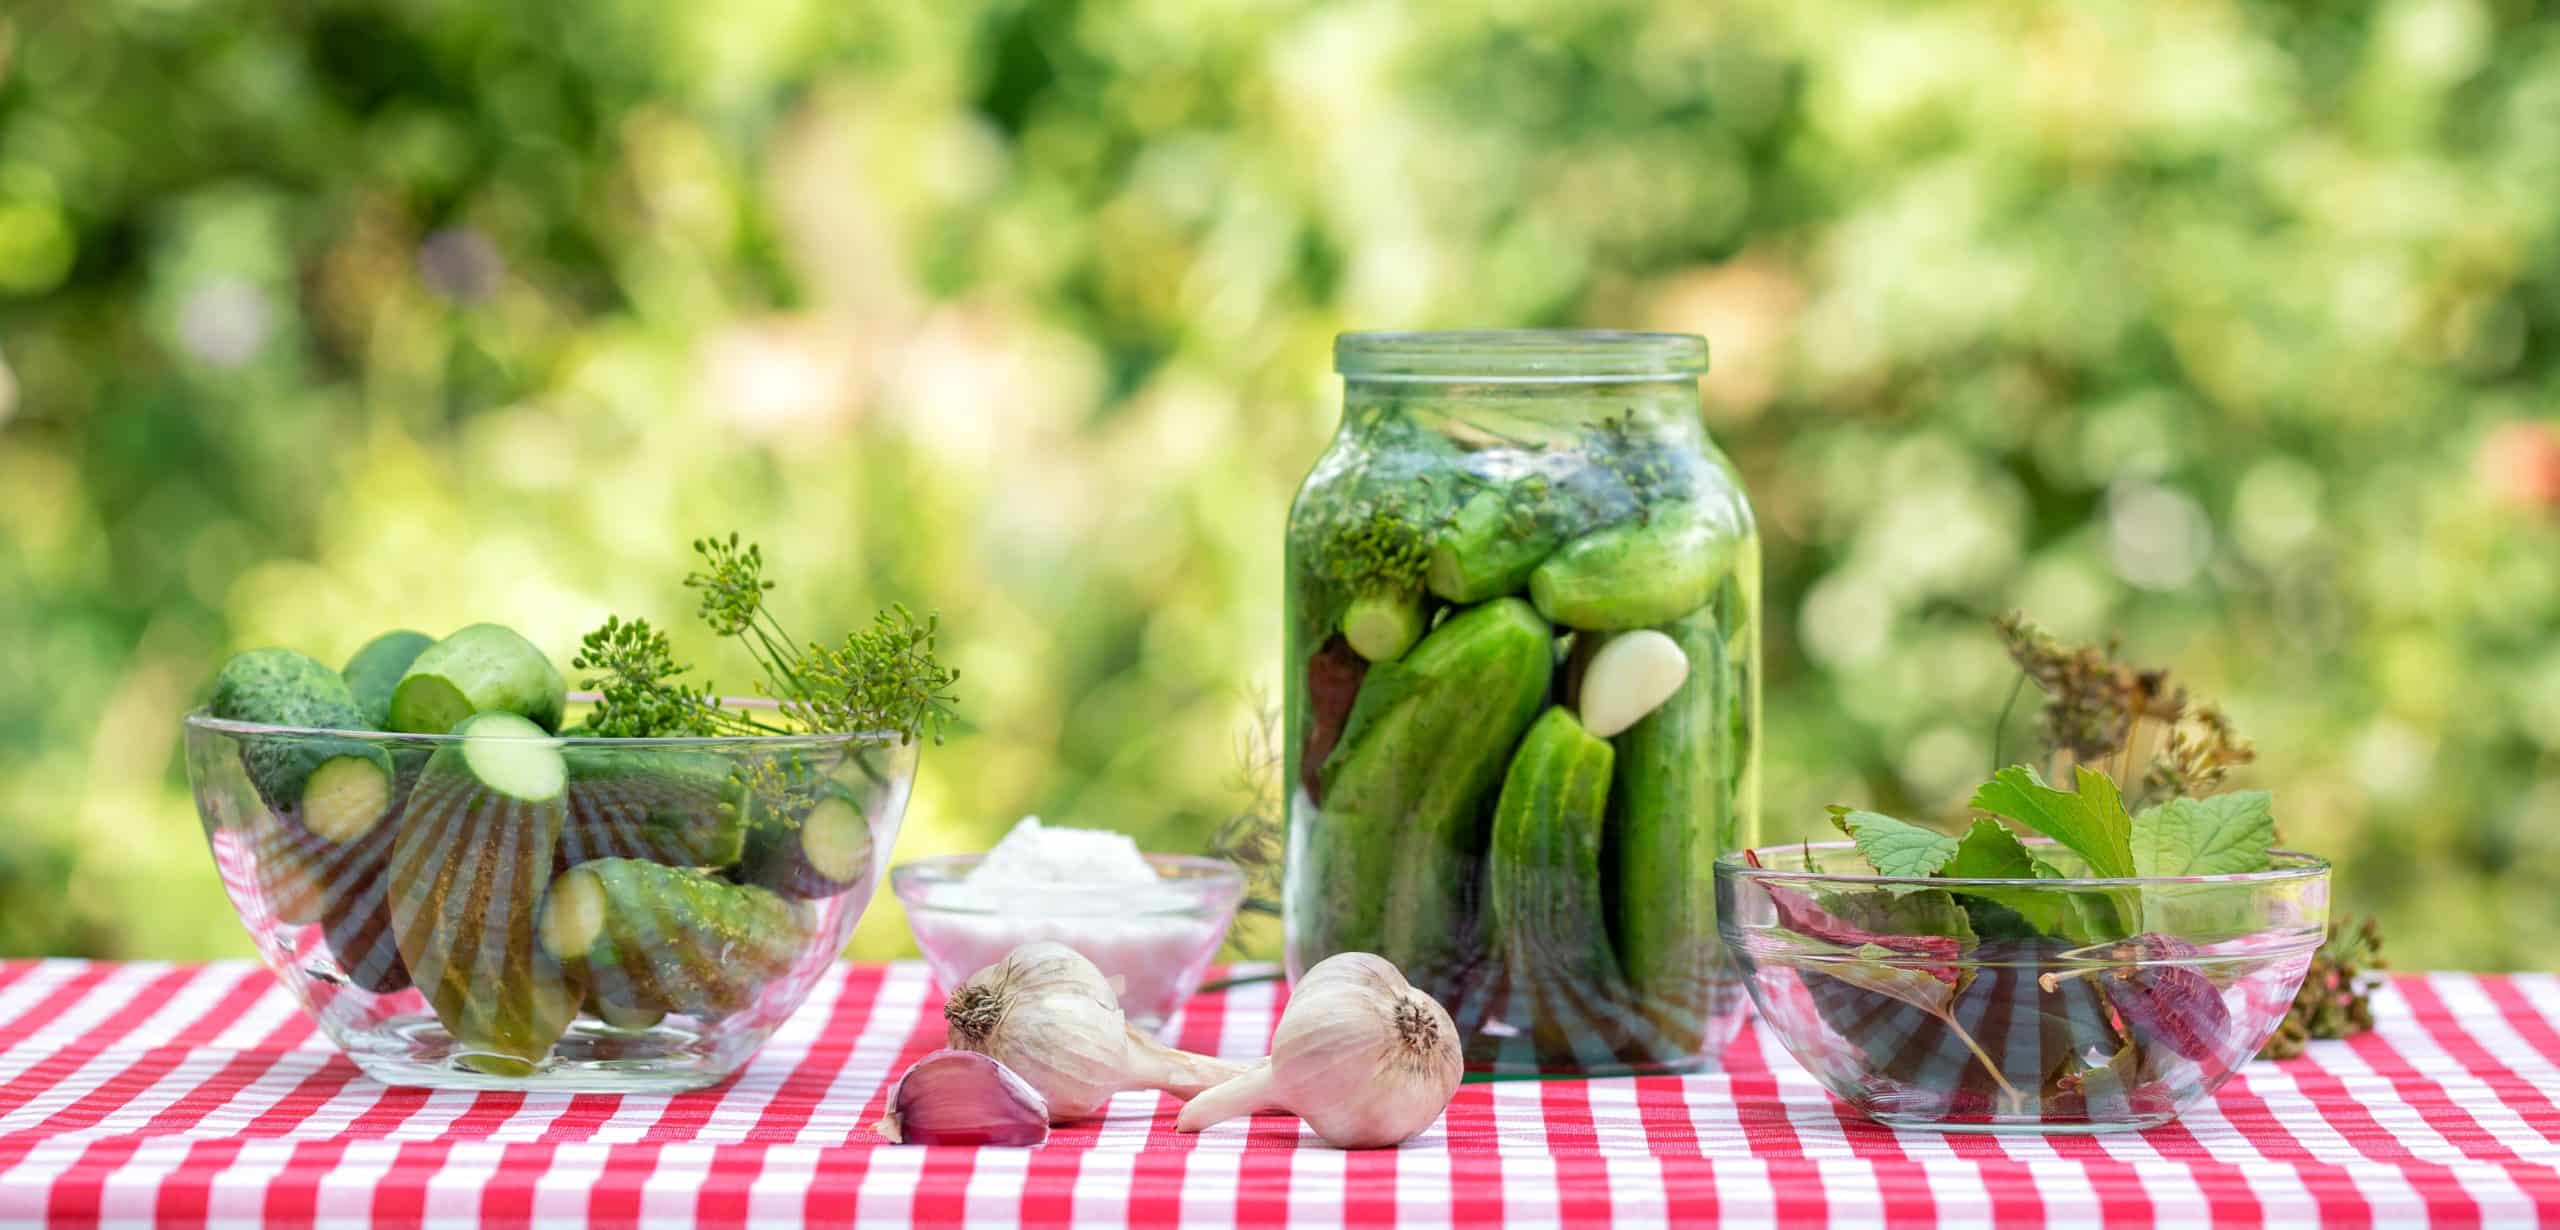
(2232, 327)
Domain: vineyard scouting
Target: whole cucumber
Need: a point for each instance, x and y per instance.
(1674, 811)
(338, 789)
(651, 937)
(1543, 896)
(670, 805)
(485, 668)
(1637, 574)
(1398, 849)
(376, 669)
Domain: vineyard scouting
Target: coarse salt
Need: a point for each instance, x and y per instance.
(1090, 889)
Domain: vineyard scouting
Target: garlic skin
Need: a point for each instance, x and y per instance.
(1046, 1013)
(963, 1098)
(1363, 1057)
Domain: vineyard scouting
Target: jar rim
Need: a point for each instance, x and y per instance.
(1473, 355)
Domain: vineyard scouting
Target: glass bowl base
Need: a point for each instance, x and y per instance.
(590, 1058)
(2022, 1127)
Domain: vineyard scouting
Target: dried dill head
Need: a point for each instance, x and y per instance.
(2131, 721)
(2336, 999)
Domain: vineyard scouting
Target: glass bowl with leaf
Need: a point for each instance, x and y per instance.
(2091, 956)
(472, 877)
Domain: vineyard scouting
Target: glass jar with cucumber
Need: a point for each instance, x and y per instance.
(1522, 692)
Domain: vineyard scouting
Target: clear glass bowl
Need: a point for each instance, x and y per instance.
(608, 915)
(1157, 939)
(2066, 1005)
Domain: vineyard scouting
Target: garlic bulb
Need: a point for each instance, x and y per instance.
(1362, 1056)
(963, 1098)
(1048, 1014)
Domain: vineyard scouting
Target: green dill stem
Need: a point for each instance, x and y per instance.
(2000, 727)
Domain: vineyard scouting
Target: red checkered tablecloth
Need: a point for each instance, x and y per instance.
(198, 1095)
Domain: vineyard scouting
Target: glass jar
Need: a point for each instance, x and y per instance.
(1522, 692)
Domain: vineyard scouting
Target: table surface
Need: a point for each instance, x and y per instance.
(197, 1094)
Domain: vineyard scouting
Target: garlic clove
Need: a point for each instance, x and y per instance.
(963, 1098)
(1629, 677)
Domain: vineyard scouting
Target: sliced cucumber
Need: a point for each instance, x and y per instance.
(376, 669)
(828, 851)
(336, 788)
(468, 872)
(484, 668)
(344, 798)
(511, 756)
(1380, 627)
(573, 913)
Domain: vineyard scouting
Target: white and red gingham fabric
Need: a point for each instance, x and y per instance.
(198, 1095)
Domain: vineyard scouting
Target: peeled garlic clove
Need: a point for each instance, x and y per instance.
(1363, 1057)
(1628, 678)
(963, 1098)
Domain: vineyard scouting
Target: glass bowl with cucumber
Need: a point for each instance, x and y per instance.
(472, 877)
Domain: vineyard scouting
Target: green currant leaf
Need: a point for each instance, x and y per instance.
(2092, 821)
(2223, 834)
(1895, 847)
(1989, 851)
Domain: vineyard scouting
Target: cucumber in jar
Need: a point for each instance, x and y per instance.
(1639, 573)
(1676, 807)
(1544, 917)
(1401, 840)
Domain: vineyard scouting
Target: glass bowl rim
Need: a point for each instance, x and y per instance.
(1531, 355)
(2300, 866)
(201, 718)
(1222, 885)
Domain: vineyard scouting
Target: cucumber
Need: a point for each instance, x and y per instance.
(376, 669)
(484, 668)
(652, 938)
(467, 874)
(1543, 902)
(1674, 811)
(338, 789)
(1381, 626)
(1638, 574)
(620, 1015)
(1486, 550)
(345, 889)
(1397, 850)
(823, 851)
(670, 806)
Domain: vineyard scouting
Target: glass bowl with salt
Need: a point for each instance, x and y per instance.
(1152, 922)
